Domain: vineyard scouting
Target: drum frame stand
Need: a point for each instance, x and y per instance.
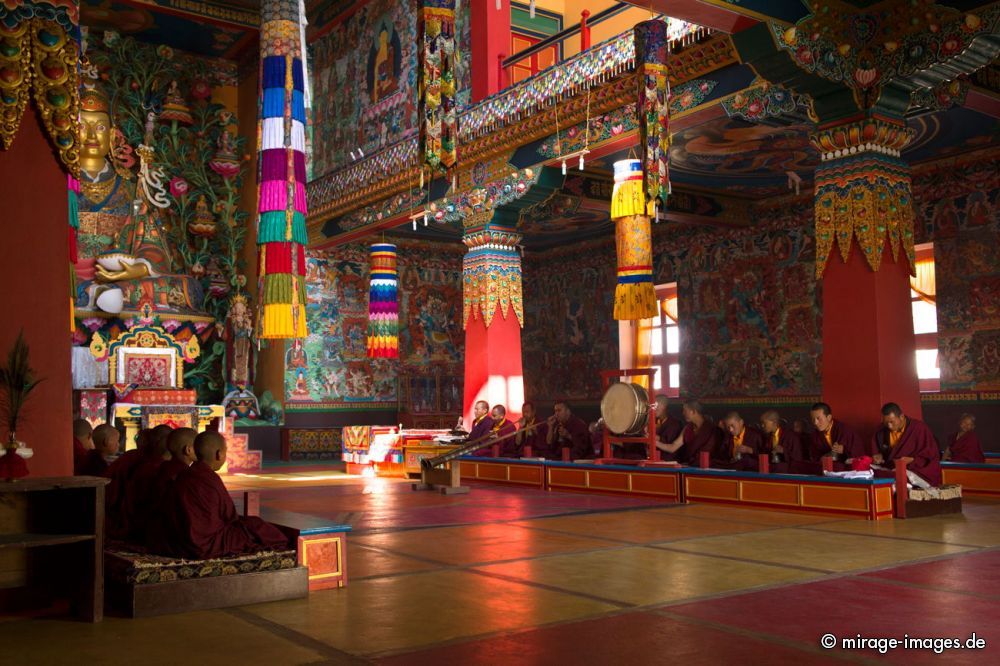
(650, 437)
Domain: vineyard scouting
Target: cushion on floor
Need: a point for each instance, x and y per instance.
(141, 569)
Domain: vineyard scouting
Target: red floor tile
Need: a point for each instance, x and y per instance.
(848, 606)
(977, 573)
(631, 639)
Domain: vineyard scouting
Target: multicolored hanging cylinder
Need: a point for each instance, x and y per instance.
(383, 305)
(651, 51)
(438, 86)
(635, 293)
(281, 226)
(491, 276)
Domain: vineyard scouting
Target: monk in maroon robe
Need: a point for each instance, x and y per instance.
(201, 516)
(482, 425)
(531, 433)
(180, 446)
(740, 445)
(82, 443)
(139, 497)
(700, 434)
(782, 444)
(833, 438)
(105, 438)
(566, 430)
(964, 445)
(907, 439)
(121, 472)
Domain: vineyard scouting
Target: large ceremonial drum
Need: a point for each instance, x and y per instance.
(625, 408)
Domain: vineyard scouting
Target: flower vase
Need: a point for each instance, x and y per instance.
(12, 462)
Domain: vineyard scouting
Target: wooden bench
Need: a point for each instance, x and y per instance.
(975, 478)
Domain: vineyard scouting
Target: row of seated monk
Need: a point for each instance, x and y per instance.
(734, 444)
(165, 496)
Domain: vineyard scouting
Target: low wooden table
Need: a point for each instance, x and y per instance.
(52, 543)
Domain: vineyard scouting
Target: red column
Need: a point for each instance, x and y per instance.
(493, 370)
(34, 274)
(868, 342)
(490, 40)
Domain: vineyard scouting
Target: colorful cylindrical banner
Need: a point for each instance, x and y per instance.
(635, 293)
(383, 303)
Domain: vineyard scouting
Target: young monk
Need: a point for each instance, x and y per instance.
(964, 445)
(180, 446)
(832, 438)
(783, 444)
(567, 430)
(700, 434)
(151, 446)
(82, 443)
(105, 438)
(531, 432)
(907, 439)
(740, 445)
(201, 516)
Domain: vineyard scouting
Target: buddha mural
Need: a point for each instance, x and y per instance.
(384, 64)
(125, 259)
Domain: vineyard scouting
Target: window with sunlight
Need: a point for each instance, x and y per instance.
(923, 296)
(665, 342)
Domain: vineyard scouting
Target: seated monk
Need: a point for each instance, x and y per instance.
(82, 443)
(200, 515)
(596, 430)
(909, 440)
(668, 429)
(568, 431)
(482, 424)
(783, 444)
(531, 433)
(139, 497)
(700, 434)
(180, 446)
(105, 438)
(740, 445)
(964, 445)
(151, 445)
(834, 439)
(502, 427)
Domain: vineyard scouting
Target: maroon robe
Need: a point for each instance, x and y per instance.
(157, 537)
(203, 522)
(120, 471)
(508, 447)
(535, 438)
(480, 429)
(747, 462)
(854, 446)
(966, 448)
(575, 435)
(916, 442)
(79, 456)
(707, 438)
(93, 464)
(793, 452)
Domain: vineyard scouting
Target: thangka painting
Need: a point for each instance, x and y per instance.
(957, 205)
(365, 79)
(314, 444)
(330, 368)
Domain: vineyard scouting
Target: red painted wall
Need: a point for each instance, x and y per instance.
(34, 274)
(868, 343)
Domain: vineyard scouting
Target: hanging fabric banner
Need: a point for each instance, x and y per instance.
(438, 86)
(651, 50)
(635, 294)
(383, 304)
(281, 225)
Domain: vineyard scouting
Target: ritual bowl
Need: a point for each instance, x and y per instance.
(111, 261)
(111, 301)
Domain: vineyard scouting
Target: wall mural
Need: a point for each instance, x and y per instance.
(749, 308)
(330, 369)
(365, 74)
(958, 207)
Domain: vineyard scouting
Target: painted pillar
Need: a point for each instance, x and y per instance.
(864, 207)
(493, 314)
(490, 44)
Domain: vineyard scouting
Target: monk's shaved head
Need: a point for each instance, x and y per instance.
(82, 429)
(156, 441)
(180, 444)
(106, 439)
(210, 447)
(771, 416)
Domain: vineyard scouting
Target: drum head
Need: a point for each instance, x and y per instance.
(620, 407)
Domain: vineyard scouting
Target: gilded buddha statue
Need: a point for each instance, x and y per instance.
(127, 259)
